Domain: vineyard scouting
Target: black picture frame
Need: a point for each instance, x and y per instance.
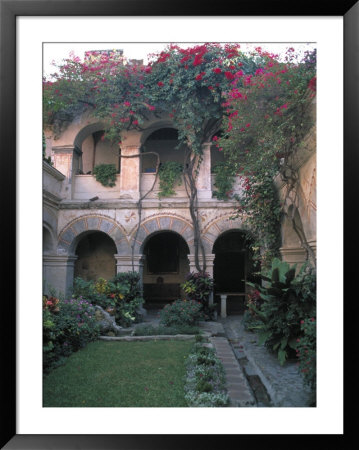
(9, 10)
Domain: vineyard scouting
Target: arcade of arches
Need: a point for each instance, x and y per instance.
(90, 230)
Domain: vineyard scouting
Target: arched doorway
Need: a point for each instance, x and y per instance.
(233, 267)
(95, 256)
(165, 268)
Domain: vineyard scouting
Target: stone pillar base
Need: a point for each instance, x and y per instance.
(224, 306)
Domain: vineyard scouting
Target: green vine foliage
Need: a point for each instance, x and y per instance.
(169, 174)
(225, 178)
(105, 174)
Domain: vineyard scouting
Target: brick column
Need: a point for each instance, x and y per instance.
(130, 172)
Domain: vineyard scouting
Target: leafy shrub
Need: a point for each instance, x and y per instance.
(306, 352)
(181, 312)
(67, 328)
(205, 379)
(198, 287)
(286, 301)
(92, 292)
(250, 317)
(105, 174)
(122, 294)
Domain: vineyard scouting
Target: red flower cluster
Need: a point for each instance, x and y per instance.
(229, 75)
(313, 84)
(200, 76)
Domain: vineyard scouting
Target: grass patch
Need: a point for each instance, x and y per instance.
(120, 374)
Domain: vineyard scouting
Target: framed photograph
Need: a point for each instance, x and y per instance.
(28, 31)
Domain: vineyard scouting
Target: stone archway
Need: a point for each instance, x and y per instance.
(95, 252)
(163, 222)
(219, 225)
(64, 262)
(69, 236)
(165, 267)
(232, 264)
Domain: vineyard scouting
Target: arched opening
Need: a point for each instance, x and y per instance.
(163, 141)
(47, 242)
(165, 268)
(95, 256)
(233, 267)
(97, 149)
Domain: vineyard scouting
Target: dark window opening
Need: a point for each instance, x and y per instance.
(163, 254)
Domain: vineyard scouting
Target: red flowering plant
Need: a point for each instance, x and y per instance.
(50, 303)
(262, 101)
(268, 115)
(188, 83)
(253, 300)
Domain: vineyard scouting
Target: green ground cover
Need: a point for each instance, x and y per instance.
(120, 374)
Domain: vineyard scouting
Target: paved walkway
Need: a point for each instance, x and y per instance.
(238, 389)
(254, 376)
(283, 384)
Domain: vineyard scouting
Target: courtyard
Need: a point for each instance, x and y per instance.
(183, 187)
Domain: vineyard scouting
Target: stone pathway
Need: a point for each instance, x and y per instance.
(238, 389)
(283, 384)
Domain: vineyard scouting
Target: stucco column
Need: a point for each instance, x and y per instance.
(130, 172)
(58, 273)
(67, 160)
(204, 190)
(209, 267)
(124, 264)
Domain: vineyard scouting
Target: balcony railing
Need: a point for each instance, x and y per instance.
(86, 186)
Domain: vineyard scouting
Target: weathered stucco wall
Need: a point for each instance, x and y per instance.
(303, 201)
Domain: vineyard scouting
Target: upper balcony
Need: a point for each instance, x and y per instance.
(135, 165)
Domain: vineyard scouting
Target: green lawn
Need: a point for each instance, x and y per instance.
(119, 374)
